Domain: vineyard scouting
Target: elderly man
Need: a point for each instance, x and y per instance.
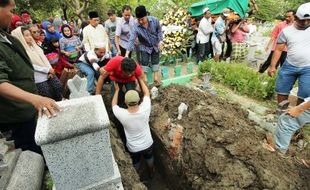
(94, 33)
(203, 36)
(149, 33)
(219, 34)
(297, 64)
(90, 62)
(19, 104)
(123, 28)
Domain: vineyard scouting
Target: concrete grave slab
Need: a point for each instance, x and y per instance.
(76, 145)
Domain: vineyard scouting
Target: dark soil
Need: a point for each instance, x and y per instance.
(220, 149)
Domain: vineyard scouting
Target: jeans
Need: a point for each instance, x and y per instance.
(113, 50)
(287, 76)
(149, 60)
(90, 75)
(286, 127)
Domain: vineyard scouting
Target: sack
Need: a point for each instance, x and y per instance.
(222, 37)
(65, 76)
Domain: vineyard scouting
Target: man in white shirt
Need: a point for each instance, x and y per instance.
(94, 32)
(135, 120)
(203, 36)
(90, 62)
(297, 64)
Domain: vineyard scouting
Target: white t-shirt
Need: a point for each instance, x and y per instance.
(136, 125)
(93, 58)
(298, 45)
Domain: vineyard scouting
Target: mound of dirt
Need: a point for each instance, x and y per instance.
(215, 146)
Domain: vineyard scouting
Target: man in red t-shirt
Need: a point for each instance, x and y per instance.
(122, 70)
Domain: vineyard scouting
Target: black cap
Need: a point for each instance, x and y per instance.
(93, 14)
(140, 11)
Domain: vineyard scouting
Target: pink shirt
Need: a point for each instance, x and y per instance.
(238, 36)
(276, 32)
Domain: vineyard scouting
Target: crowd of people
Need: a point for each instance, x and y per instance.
(34, 55)
(212, 34)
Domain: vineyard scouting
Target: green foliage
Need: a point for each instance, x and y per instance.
(240, 78)
(271, 9)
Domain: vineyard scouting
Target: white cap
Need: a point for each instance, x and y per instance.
(205, 10)
(226, 12)
(303, 11)
(100, 45)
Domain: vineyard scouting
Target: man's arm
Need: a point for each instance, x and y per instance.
(118, 32)
(85, 41)
(275, 58)
(12, 92)
(297, 110)
(103, 75)
(131, 42)
(115, 96)
(143, 86)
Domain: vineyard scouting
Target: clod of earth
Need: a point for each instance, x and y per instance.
(218, 146)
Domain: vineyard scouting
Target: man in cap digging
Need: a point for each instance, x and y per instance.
(95, 33)
(149, 33)
(135, 120)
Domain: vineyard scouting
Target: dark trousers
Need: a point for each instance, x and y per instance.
(203, 51)
(51, 88)
(23, 135)
(263, 67)
(123, 52)
(228, 49)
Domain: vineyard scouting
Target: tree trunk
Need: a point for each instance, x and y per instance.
(64, 7)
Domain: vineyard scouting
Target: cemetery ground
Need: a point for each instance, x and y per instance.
(214, 146)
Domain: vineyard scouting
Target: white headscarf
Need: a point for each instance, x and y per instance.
(34, 52)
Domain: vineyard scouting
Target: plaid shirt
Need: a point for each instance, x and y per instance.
(149, 37)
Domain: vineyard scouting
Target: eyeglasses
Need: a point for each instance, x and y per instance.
(35, 32)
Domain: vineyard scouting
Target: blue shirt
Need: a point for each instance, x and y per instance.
(219, 27)
(149, 37)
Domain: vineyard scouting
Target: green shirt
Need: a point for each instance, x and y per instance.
(16, 69)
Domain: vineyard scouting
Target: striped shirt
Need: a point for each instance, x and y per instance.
(149, 37)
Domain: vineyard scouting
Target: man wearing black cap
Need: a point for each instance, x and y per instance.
(148, 31)
(94, 33)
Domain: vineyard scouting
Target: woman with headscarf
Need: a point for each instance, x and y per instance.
(70, 45)
(50, 31)
(47, 83)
